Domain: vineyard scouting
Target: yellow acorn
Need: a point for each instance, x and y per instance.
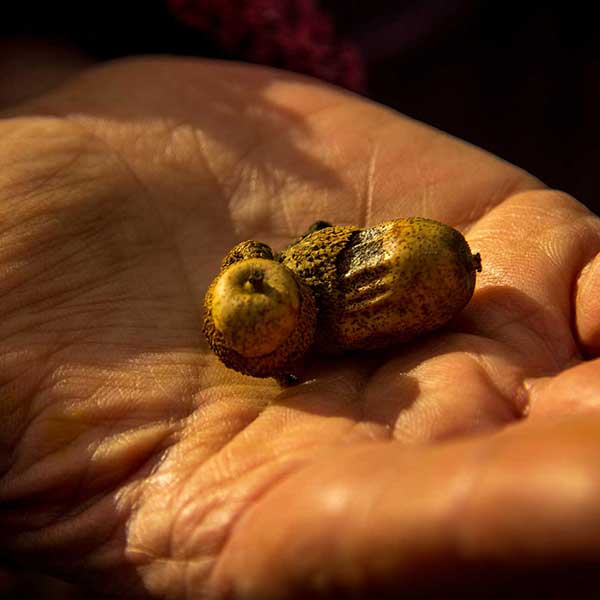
(386, 284)
(259, 318)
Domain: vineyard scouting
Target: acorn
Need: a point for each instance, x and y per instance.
(336, 289)
(259, 317)
(386, 284)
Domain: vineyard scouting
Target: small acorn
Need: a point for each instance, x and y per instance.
(259, 318)
(336, 289)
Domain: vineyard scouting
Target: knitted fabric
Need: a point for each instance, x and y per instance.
(290, 34)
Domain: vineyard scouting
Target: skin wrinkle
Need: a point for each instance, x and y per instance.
(276, 192)
(427, 183)
(288, 462)
(35, 383)
(370, 184)
(552, 352)
(40, 185)
(406, 432)
(546, 343)
(92, 285)
(112, 430)
(517, 402)
(150, 201)
(570, 309)
(82, 504)
(39, 209)
(387, 429)
(586, 246)
(248, 501)
(238, 169)
(256, 146)
(224, 476)
(154, 454)
(39, 195)
(37, 409)
(67, 525)
(59, 300)
(194, 415)
(48, 406)
(200, 143)
(332, 149)
(33, 410)
(520, 184)
(51, 243)
(22, 475)
(513, 399)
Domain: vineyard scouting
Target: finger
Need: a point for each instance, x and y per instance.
(587, 307)
(533, 246)
(576, 390)
(379, 518)
(416, 394)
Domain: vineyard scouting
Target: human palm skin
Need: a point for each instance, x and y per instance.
(133, 460)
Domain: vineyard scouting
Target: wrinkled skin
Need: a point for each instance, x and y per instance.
(133, 460)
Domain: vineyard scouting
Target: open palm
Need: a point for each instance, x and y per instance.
(133, 459)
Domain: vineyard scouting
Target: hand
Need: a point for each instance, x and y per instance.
(133, 460)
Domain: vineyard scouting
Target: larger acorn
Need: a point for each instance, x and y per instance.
(386, 284)
(334, 290)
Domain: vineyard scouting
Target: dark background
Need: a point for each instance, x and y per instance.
(520, 79)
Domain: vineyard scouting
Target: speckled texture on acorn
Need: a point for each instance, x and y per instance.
(357, 289)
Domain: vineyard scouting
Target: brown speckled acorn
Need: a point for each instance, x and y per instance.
(385, 284)
(336, 289)
(259, 318)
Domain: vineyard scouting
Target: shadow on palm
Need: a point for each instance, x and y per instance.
(153, 454)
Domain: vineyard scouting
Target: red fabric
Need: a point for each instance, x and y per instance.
(290, 34)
